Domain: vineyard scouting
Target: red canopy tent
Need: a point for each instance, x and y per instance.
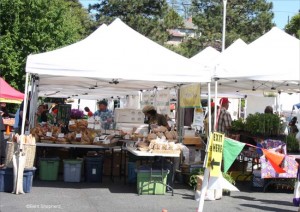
(8, 94)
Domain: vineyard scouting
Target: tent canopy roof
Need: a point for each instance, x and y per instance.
(9, 94)
(116, 52)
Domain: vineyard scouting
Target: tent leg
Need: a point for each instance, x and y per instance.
(25, 105)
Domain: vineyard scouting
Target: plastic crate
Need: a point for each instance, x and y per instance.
(48, 169)
(132, 172)
(94, 169)
(72, 170)
(7, 176)
(143, 178)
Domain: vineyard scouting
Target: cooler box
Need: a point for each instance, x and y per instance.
(48, 169)
(132, 172)
(72, 170)
(143, 178)
(94, 169)
(6, 179)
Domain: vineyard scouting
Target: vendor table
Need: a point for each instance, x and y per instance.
(157, 178)
(112, 149)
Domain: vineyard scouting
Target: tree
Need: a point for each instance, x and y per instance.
(293, 27)
(34, 26)
(151, 18)
(247, 20)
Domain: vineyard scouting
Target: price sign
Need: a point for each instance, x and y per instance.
(91, 126)
(78, 135)
(49, 134)
(61, 135)
(97, 139)
(71, 122)
(27, 133)
(97, 127)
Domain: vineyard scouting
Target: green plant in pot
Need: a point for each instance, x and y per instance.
(200, 171)
(292, 144)
(193, 177)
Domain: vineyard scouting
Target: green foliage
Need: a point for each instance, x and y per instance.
(238, 125)
(247, 20)
(293, 27)
(263, 124)
(200, 171)
(34, 26)
(151, 18)
(229, 178)
(193, 177)
(292, 143)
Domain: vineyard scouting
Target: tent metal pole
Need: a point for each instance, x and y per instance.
(216, 109)
(25, 105)
(209, 109)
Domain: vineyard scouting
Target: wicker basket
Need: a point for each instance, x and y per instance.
(46, 141)
(29, 150)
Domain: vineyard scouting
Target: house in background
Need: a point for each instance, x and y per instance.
(177, 36)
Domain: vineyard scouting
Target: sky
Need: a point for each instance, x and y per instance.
(283, 10)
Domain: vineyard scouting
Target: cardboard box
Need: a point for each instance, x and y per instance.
(188, 140)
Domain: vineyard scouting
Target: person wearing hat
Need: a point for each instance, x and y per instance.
(224, 118)
(152, 117)
(106, 116)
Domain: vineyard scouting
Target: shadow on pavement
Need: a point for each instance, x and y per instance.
(264, 201)
(265, 208)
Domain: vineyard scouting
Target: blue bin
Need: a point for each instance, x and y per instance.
(72, 170)
(94, 169)
(132, 176)
(7, 176)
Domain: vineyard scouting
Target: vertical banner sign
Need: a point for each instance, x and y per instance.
(216, 154)
(163, 101)
(190, 96)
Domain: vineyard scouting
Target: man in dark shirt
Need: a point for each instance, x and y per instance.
(152, 117)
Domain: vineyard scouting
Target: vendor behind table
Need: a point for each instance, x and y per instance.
(154, 118)
(106, 116)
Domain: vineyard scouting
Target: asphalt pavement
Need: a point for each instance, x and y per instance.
(115, 196)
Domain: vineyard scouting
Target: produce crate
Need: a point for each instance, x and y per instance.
(143, 178)
(94, 169)
(72, 170)
(7, 176)
(48, 169)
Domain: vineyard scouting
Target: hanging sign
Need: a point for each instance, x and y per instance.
(163, 101)
(190, 96)
(147, 98)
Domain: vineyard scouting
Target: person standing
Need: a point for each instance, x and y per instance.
(224, 118)
(89, 112)
(106, 116)
(152, 117)
(2, 142)
(4, 110)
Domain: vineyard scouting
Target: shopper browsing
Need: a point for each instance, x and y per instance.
(105, 115)
(224, 118)
(153, 118)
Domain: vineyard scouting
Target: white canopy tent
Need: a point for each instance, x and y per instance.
(117, 52)
(273, 56)
(112, 60)
(206, 55)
